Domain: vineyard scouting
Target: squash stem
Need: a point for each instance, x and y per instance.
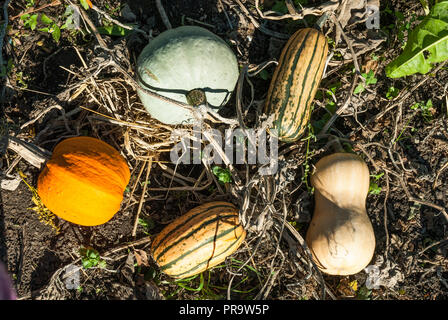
(335, 144)
(196, 97)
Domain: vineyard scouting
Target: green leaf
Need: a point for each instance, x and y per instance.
(86, 264)
(223, 175)
(392, 92)
(427, 44)
(84, 4)
(374, 188)
(30, 21)
(56, 33)
(114, 30)
(370, 77)
(377, 176)
(359, 88)
(45, 19)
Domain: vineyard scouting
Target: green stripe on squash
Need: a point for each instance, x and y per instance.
(198, 240)
(295, 82)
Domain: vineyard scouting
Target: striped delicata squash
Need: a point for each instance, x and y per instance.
(198, 240)
(295, 82)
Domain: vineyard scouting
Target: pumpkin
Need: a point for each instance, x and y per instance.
(198, 240)
(84, 181)
(295, 82)
(340, 235)
(181, 60)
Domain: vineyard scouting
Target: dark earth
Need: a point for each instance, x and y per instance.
(411, 142)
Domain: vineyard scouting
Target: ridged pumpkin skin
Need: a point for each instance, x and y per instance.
(185, 58)
(295, 82)
(340, 235)
(198, 240)
(84, 181)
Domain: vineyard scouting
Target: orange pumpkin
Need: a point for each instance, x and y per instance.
(84, 181)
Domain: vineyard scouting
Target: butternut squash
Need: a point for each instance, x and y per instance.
(340, 235)
(295, 83)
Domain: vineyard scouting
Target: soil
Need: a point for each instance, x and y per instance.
(411, 236)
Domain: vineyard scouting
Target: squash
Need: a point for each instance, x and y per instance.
(198, 240)
(295, 82)
(84, 181)
(180, 60)
(340, 235)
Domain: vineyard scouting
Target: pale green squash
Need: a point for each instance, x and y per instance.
(180, 60)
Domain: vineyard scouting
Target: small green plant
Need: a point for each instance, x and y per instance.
(392, 92)
(306, 165)
(50, 27)
(425, 109)
(402, 131)
(222, 174)
(29, 3)
(147, 224)
(363, 293)
(21, 79)
(91, 258)
(29, 21)
(330, 106)
(374, 188)
(206, 288)
(369, 79)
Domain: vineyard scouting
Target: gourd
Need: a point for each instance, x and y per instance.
(198, 240)
(340, 235)
(295, 82)
(84, 181)
(180, 60)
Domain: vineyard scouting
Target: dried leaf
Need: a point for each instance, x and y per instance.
(141, 258)
(12, 184)
(352, 12)
(128, 269)
(152, 291)
(370, 65)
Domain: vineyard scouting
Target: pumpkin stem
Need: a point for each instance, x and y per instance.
(335, 144)
(196, 97)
